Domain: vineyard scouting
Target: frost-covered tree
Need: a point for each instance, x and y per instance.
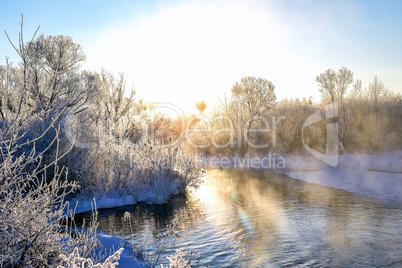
(334, 86)
(249, 99)
(54, 72)
(118, 111)
(327, 82)
(32, 202)
(375, 90)
(357, 88)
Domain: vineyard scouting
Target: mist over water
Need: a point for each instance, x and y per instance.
(244, 218)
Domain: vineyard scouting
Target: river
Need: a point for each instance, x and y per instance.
(252, 218)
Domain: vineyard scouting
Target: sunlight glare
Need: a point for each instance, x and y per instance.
(194, 51)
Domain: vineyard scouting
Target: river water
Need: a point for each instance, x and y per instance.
(243, 218)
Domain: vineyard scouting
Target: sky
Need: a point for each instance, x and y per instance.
(181, 52)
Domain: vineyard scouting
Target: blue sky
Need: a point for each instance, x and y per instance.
(183, 51)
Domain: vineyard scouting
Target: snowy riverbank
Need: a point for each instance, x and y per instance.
(377, 176)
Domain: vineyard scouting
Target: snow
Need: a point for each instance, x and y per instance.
(127, 259)
(376, 176)
(119, 253)
(109, 242)
(85, 205)
(153, 194)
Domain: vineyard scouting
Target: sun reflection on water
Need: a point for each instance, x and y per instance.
(246, 218)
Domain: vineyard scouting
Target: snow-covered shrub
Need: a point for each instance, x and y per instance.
(34, 228)
(151, 161)
(146, 170)
(178, 260)
(33, 187)
(74, 260)
(32, 204)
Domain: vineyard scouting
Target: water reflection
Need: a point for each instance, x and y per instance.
(242, 218)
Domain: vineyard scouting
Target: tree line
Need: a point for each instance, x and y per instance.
(249, 118)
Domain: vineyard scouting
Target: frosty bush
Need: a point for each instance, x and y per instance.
(179, 260)
(32, 203)
(146, 170)
(74, 260)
